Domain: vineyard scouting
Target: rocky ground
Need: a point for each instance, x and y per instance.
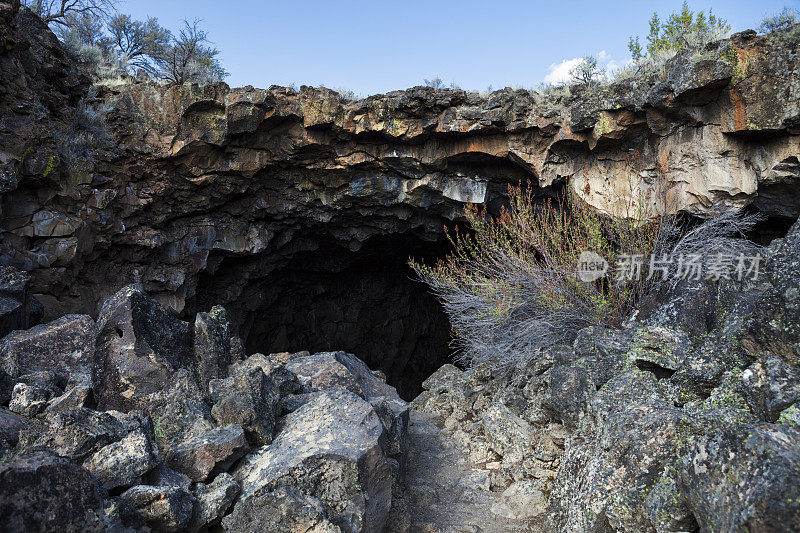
(140, 421)
(687, 419)
(450, 490)
(202, 192)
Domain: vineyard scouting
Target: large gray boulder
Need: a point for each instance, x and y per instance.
(63, 346)
(42, 492)
(74, 398)
(509, 435)
(569, 390)
(123, 463)
(164, 476)
(521, 501)
(629, 435)
(323, 371)
(179, 411)
(76, 434)
(771, 385)
(601, 351)
(249, 398)
(688, 306)
(11, 424)
(168, 509)
(703, 368)
(139, 347)
(333, 449)
(274, 366)
(281, 511)
(214, 500)
(29, 400)
(660, 350)
(342, 370)
(12, 315)
(208, 453)
(443, 379)
(745, 478)
(781, 266)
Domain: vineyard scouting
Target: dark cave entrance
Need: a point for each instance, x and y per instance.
(365, 302)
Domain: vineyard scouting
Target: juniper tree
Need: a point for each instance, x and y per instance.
(139, 42)
(682, 29)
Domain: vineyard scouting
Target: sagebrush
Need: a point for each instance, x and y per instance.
(86, 133)
(510, 287)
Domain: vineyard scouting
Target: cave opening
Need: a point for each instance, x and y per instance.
(366, 302)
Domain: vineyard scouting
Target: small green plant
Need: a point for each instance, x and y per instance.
(158, 430)
(551, 96)
(346, 95)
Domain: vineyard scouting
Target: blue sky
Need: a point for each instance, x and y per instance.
(376, 46)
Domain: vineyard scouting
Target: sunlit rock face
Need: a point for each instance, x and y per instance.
(240, 191)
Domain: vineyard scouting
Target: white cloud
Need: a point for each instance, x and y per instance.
(559, 72)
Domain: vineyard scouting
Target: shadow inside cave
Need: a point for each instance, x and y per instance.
(365, 302)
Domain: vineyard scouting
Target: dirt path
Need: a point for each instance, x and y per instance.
(444, 491)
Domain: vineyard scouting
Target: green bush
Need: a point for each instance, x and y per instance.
(125, 47)
(436, 83)
(510, 286)
(782, 20)
(346, 95)
(683, 29)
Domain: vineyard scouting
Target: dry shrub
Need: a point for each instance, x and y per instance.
(85, 134)
(510, 287)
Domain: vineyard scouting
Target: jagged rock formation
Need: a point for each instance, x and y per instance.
(280, 200)
(275, 442)
(667, 425)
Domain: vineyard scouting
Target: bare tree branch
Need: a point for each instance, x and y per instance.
(57, 11)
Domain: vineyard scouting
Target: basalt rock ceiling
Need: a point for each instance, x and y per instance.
(297, 209)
